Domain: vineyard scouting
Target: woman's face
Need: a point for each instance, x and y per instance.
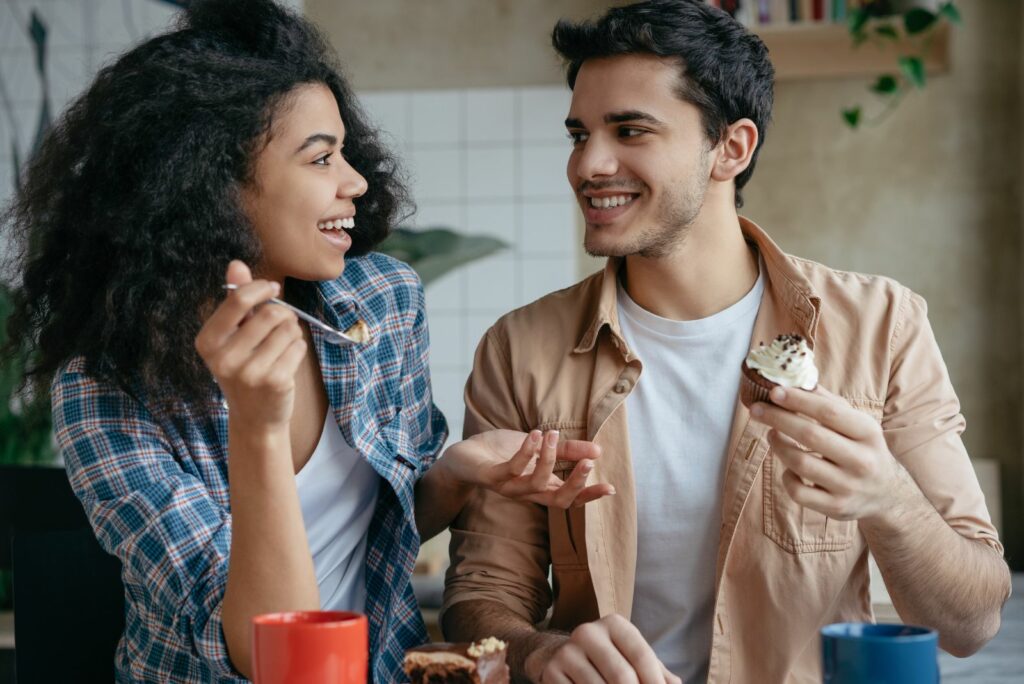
(302, 198)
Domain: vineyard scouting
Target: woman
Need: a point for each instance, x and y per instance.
(235, 461)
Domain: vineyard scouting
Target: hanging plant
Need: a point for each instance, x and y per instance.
(916, 29)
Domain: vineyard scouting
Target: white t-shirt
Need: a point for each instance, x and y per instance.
(338, 494)
(680, 415)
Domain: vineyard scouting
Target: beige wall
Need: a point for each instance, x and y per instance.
(931, 196)
(388, 44)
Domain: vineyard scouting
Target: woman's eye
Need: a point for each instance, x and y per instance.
(322, 161)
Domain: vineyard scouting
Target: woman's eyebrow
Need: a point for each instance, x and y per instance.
(315, 138)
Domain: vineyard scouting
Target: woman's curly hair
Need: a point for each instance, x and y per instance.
(131, 210)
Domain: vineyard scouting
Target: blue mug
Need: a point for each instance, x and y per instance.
(864, 653)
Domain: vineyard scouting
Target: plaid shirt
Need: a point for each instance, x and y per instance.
(155, 487)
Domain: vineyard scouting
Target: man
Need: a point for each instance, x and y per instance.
(734, 534)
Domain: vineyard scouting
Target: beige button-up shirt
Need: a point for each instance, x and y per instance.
(783, 571)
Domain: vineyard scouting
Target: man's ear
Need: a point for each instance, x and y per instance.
(735, 150)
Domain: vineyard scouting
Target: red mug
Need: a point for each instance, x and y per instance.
(310, 647)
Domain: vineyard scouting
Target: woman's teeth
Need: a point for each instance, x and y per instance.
(337, 224)
(609, 202)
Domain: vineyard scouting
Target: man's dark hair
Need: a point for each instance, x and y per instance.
(724, 68)
(131, 210)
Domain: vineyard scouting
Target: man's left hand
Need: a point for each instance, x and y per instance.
(836, 458)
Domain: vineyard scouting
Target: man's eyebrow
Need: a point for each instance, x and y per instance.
(619, 117)
(315, 138)
(631, 115)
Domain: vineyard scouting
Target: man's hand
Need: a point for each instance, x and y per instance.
(610, 650)
(836, 458)
(520, 466)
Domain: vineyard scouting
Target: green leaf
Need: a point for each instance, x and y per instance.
(887, 31)
(856, 21)
(950, 12)
(852, 116)
(435, 251)
(913, 69)
(886, 85)
(918, 19)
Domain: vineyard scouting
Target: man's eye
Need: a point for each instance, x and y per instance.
(322, 161)
(630, 132)
(578, 137)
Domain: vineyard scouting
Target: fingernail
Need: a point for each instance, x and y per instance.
(778, 394)
(612, 491)
(535, 436)
(757, 410)
(553, 438)
(587, 467)
(277, 288)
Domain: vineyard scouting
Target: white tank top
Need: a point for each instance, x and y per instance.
(338, 494)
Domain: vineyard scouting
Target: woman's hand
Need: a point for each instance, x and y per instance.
(253, 354)
(520, 466)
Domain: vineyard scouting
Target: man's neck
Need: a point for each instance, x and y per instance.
(711, 270)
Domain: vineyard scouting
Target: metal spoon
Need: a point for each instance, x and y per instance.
(330, 334)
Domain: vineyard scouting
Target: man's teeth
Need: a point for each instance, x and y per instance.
(609, 202)
(337, 224)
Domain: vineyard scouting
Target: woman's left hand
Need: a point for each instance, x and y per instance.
(520, 466)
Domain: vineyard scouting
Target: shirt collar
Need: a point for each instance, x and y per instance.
(786, 281)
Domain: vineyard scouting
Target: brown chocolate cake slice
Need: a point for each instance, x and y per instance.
(482, 662)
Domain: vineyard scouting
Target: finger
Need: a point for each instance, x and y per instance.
(546, 461)
(574, 666)
(574, 484)
(805, 431)
(593, 493)
(808, 496)
(257, 329)
(268, 355)
(807, 465)
(237, 273)
(521, 460)
(669, 677)
(830, 410)
(231, 312)
(632, 645)
(577, 450)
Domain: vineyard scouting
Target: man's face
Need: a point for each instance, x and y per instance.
(640, 162)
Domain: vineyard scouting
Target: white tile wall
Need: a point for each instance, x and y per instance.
(491, 162)
(488, 161)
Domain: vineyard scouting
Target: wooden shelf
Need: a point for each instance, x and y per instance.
(827, 51)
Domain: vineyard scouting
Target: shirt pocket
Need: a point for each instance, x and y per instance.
(797, 529)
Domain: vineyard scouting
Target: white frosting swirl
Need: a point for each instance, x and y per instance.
(787, 361)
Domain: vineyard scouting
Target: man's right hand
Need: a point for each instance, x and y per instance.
(609, 650)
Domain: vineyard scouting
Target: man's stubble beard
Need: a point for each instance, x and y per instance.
(675, 215)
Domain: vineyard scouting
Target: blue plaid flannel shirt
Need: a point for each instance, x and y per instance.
(156, 490)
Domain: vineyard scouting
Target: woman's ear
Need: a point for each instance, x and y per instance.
(735, 150)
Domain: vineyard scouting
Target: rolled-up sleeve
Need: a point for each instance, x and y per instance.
(164, 525)
(499, 547)
(923, 425)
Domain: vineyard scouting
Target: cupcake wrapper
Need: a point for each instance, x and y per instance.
(751, 392)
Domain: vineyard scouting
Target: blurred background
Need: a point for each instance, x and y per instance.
(925, 188)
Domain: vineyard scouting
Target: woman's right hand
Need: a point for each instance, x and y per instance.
(253, 354)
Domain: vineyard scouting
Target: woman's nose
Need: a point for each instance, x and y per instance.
(352, 184)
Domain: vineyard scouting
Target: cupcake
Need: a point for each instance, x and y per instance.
(787, 361)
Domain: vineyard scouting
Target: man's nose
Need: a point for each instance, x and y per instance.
(595, 160)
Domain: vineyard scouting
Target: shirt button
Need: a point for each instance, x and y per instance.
(622, 386)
